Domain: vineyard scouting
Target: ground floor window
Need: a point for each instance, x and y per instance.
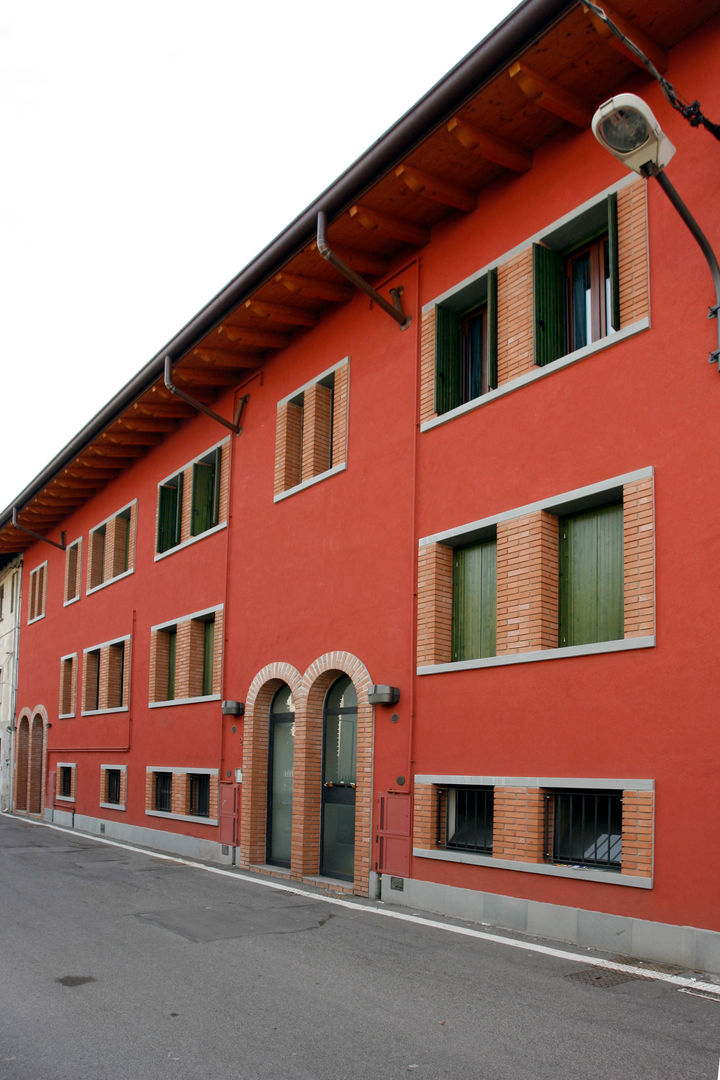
(465, 819)
(199, 795)
(584, 828)
(163, 792)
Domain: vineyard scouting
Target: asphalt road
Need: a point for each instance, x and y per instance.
(118, 965)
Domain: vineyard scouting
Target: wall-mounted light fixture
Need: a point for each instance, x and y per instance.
(383, 695)
(233, 708)
(626, 127)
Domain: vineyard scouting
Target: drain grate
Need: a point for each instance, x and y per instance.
(601, 977)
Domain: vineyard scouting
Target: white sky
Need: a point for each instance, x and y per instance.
(152, 148)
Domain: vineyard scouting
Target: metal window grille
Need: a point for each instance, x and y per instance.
(584, 828)
(163, 791)
(113, 786)
(465, 819)
(199, 795)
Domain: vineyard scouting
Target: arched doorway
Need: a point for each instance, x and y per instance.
(339, 780)
(281, 761)
(21, 770)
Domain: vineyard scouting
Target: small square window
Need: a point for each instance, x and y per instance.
(465, 819)
(65, 781)
(111, 548)
(170, 505)
(584, 828)
(311, 431)
(466, 344)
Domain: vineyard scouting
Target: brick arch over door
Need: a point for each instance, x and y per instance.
(309, 692)
(253, 820)
(30, 761)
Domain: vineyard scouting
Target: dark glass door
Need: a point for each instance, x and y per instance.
(337, 849)
(280, 778)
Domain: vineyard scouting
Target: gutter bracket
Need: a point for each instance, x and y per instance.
(234, 425)
(37, 535)
(394, 310)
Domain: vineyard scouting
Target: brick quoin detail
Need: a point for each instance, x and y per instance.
(637, 833)
(639, 558)
(527, 583)
(633, 253)
(435, 604)
(317, 430)
(425, 804)
(309, 692)
(341, 404)
(288, 446)
(427, 366)
(519, 824)
(515, 317)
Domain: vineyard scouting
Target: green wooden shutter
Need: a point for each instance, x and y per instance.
(215, 512)
(474, 601)
(548, 305)
(491, 340)
(591, 576)
(202, 497)
(613, 315)
(448, 360)
(208, 656)
(169, 514)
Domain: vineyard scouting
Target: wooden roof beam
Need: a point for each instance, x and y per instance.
(121, 437)
(314, 288)
(407, 232)
(549, 96)
(106, 449)
(654, 52)
(436, 189)
(491, 147)
(281, 313)
(225, 358)
(145, 427)
(253, 338)
(203, 373)
(364, 262)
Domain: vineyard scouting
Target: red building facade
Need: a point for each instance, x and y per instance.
(436, 623)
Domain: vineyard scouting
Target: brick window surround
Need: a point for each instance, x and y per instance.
(519, 825)
(182, 793)
(515, 319)
(182, 516)
(311, 431)
(106, 677)
(309, 692)
(191, 664)
(38, 592)
(68, 685)
(109, 775)
(111, 548)
(73, 571)
(527, 577)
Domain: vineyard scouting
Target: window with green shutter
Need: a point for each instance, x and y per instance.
(591, 589)
(208, 655)
(171, 635)
(474, 600)
(576, 298)
(170, 513)
(466, 344)
(206, 493)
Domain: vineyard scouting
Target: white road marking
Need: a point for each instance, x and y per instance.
(686, 984)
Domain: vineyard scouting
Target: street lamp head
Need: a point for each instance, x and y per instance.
(626, 127)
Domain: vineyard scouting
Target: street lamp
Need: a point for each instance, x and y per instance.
(626, 127)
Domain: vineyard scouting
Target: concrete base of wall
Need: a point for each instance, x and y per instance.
(685, 946)
(190, 847)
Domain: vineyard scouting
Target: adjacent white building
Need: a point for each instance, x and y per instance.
(9, 628)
